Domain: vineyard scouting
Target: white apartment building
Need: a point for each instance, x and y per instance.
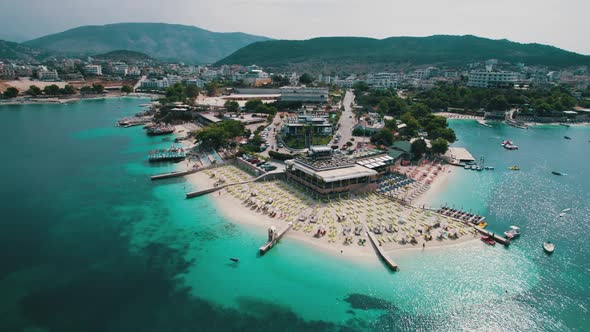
(383, 80)
(173, 79)
(93, 70)
(491, 79)
(120, 68)
(154, 84)
(47, 75)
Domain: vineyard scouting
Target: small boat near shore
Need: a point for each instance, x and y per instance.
(567, 137)
(556, 173)
(514, 168)
(513, 232)
(488, 240)
(483, 123)
(548, 247)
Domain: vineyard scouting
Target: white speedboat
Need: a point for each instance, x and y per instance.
(548, 247)
(513, 232)
(566, 210)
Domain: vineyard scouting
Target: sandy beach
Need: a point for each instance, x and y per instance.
(409, 227)
(436, 187)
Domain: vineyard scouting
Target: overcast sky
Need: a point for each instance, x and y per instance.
(562, 23)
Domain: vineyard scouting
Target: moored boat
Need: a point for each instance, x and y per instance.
(567, 137)
(159, 130)
(548, 247)
(513, 233)
(514, 168)
(556, 173)
(488, 240)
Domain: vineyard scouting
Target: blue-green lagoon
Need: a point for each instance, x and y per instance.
(89, 243)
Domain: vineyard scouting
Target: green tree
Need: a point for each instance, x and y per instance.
(412, 125)
(34, 91)
(253, 105)
(418, 148)
(382, 137)
(232, 106)
(127, 89)
(51, 90)
(440, 146)
(68, 89)
(11, 92)
(498, 103)
(306, 78)
(192, 91)
(212, 88)
(85, 90)
(98, 88)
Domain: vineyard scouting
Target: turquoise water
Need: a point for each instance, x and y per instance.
(89, 243)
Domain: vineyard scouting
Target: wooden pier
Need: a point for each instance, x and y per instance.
(172, 174)
(496, 237)
(386, 259)
(273, 238)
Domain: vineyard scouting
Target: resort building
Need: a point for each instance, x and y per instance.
(330, 175)
(47, 75)
(383, 80)
(317, 120)
(7, 71)
(491, 79)
(93, 70)
(120, 69)
(304, 94)
(154, 84)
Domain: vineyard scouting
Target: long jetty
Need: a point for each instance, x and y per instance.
(273, 240)
(386, 259)
(172, 174)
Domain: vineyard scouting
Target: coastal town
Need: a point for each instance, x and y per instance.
(294, 166)
(332, 160)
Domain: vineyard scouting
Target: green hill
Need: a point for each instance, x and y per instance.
(124, 55)
(363, 54)
(15, 51)
(162, 41)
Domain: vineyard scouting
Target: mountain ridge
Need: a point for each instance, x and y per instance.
(169, 42)
(348, 53)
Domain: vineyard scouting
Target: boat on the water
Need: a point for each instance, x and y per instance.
(514, 168)
(513, 232)
(561, 215)
(556, 173)
(490, 168)
(173, 154)
(235, 260)
(567, 137)
(159, 130)
(488, 240)
(507, 144)
(548, 247)
(564, 124)
(566, 210)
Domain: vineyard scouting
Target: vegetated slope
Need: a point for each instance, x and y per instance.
(159, 40)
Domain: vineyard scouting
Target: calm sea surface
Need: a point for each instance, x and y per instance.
(89, 243)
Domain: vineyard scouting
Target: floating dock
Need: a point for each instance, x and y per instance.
(386, 259)
(273, 237)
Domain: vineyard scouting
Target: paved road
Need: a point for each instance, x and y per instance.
(347, 120)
